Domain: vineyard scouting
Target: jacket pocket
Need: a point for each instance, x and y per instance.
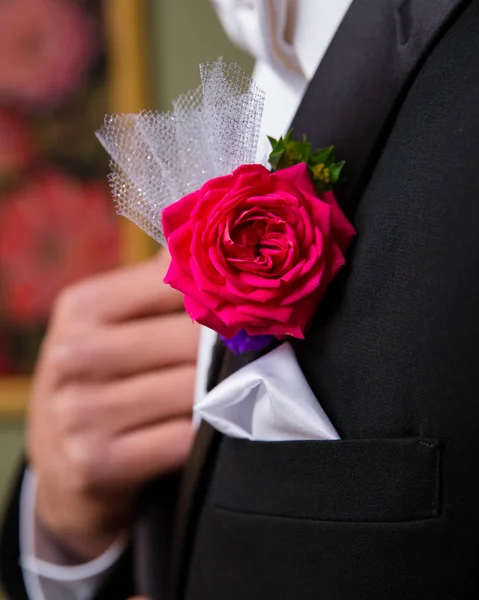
(379, 480)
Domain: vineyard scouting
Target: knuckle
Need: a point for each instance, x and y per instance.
(82, 444)
(74, 355)
(85, 465)
(68, 302)
(75, 303)
(72, 412)
(64, 357)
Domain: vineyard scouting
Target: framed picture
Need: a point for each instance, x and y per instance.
(63, 65)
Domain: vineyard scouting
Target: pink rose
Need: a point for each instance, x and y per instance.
(255, 250)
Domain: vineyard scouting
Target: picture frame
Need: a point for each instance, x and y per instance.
(129, 75)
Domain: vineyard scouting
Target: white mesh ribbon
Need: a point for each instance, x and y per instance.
(157, 158)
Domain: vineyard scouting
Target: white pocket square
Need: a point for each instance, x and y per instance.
(268, 400)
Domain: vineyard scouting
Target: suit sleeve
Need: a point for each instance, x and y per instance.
(118, 581)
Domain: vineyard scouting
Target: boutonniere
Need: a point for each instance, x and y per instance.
(252, 249)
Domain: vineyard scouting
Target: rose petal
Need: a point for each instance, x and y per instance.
(342, 228)
(256, 250)
(176, 278)
(177, 214)
(297, 176)
(208, 318)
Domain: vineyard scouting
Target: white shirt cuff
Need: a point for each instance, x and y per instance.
(48, 581)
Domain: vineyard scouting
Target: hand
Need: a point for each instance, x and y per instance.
(111, 402)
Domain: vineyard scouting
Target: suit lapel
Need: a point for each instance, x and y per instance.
(351, 103)
(361, 82)
(192, 492)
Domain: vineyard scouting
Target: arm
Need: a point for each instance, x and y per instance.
(110, 408)
(50, 571)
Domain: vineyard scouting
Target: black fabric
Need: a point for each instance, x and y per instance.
(152, 537)
(262, 557)
(199, 467)
(355, 480)
(363, 78)
(120, 584)
(352, 103)
(194, 486)
(10, 571)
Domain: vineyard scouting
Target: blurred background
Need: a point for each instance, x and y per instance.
(63, 65)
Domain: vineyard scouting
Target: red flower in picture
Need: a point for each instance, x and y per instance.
(16, 143)
(46, 48)
(54, 230)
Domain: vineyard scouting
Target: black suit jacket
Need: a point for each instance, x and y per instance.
(390, 510)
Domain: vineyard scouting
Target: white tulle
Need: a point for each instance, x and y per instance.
(157, 158)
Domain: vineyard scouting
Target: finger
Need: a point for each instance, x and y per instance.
(126, 349)
(144, 400)
(117, 296)
(144, 454)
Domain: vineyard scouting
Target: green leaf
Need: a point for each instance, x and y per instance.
(272, 141)
(275, 159)
(323, 155)
(323, 168)
(300, 150)
(335, 170)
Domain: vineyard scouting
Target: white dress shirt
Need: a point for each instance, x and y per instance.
(288, 39)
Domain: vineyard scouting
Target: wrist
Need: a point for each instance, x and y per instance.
(74, 532)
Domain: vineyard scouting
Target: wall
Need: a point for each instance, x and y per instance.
(187, 32)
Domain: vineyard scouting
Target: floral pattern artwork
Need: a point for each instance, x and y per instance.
(57, 224)
(16, 144)
(6, 367)
(46, 50)
(54, 230)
